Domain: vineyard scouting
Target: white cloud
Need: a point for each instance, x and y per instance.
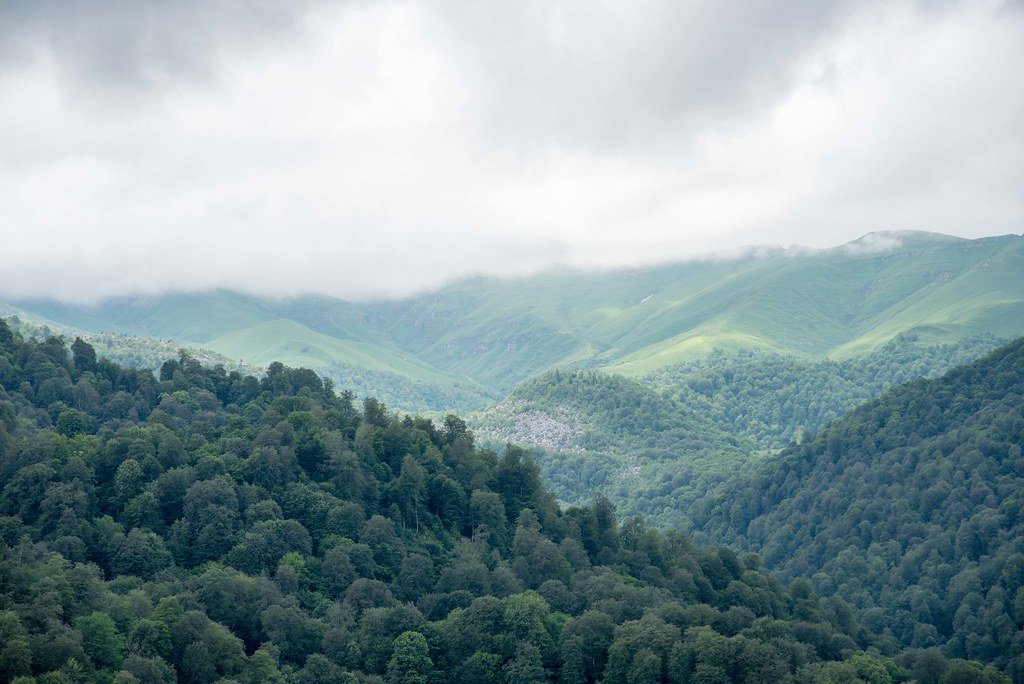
(379, 148)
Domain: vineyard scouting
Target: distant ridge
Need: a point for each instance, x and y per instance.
(494, 333)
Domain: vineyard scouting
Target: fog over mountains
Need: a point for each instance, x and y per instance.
(477, 338)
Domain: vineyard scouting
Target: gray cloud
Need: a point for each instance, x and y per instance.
(368, 148)
(611, 73)
(121, 48)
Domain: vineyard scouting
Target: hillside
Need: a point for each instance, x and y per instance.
(362, 367)
(605, 433)
(202, 526)
(909, 508)
(355, 365)
(187, 317)
(774, 400)
(839, 302)
(656, 444)
(126, 350)
(488, 335)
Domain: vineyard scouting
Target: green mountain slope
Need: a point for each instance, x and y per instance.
(187, 317)
(909, 507)
(205, 526)
(835, 303)
(656, 444)
(598, 433)
(839, 302)
(127, 350)
(774, 400)
(365, 368)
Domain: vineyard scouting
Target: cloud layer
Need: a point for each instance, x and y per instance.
(377, 148)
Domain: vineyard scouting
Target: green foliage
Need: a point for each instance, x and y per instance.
(656, 445)
(594, 432)
(774, 400)
(101, 640)
(410, 663)
(909, 508)
(210, 526)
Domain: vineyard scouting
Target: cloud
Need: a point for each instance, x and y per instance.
(378, 148)
(119, 47)
(610, 73)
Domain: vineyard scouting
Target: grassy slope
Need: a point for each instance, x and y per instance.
(841, 303)
(126, 350)
(296, 345)
(187, 317)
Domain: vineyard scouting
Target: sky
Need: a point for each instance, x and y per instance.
(378, 148)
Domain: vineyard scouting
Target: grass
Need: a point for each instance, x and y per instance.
(496, 333)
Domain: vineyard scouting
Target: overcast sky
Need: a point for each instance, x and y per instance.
(367, 148)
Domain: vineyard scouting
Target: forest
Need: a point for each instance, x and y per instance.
(197, 525)
(656, 444)
(909, 508)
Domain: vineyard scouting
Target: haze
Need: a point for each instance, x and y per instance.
(378, 148)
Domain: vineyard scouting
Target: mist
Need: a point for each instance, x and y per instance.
(375, 149)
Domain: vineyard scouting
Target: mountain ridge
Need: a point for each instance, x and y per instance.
(495, 333)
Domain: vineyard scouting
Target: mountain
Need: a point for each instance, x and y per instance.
(479, 338)
(202, 526)
(128, 350)
(246, 332)
(656, 444)
(363, 367)
(188, 317)
(774, 399)
(910, 508)
(599, 433)
(839, 302)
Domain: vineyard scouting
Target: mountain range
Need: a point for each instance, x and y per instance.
(472, 341)
(838, 414)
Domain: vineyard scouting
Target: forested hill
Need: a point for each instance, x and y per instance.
(202, 526)
(599, 433)
(657, 444)
(774, 400)
(910, 508)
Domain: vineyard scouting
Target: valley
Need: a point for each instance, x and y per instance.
(817, 452)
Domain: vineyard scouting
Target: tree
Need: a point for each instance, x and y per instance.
(15, 654)
(411, 662)
(72, 422)
(336, 571)
(84, 355)
(929, 666)
(525, 667)
(101, 640)
(411, 489)
(141, 553)
(291, 630)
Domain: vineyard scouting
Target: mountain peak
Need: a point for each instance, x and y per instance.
(889, 240)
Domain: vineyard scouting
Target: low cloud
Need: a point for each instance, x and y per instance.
(378, 148)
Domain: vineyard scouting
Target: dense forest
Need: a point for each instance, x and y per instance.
(910, 508)
(775, 399)
(200, 526)
(657, 444)
(593, 432)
